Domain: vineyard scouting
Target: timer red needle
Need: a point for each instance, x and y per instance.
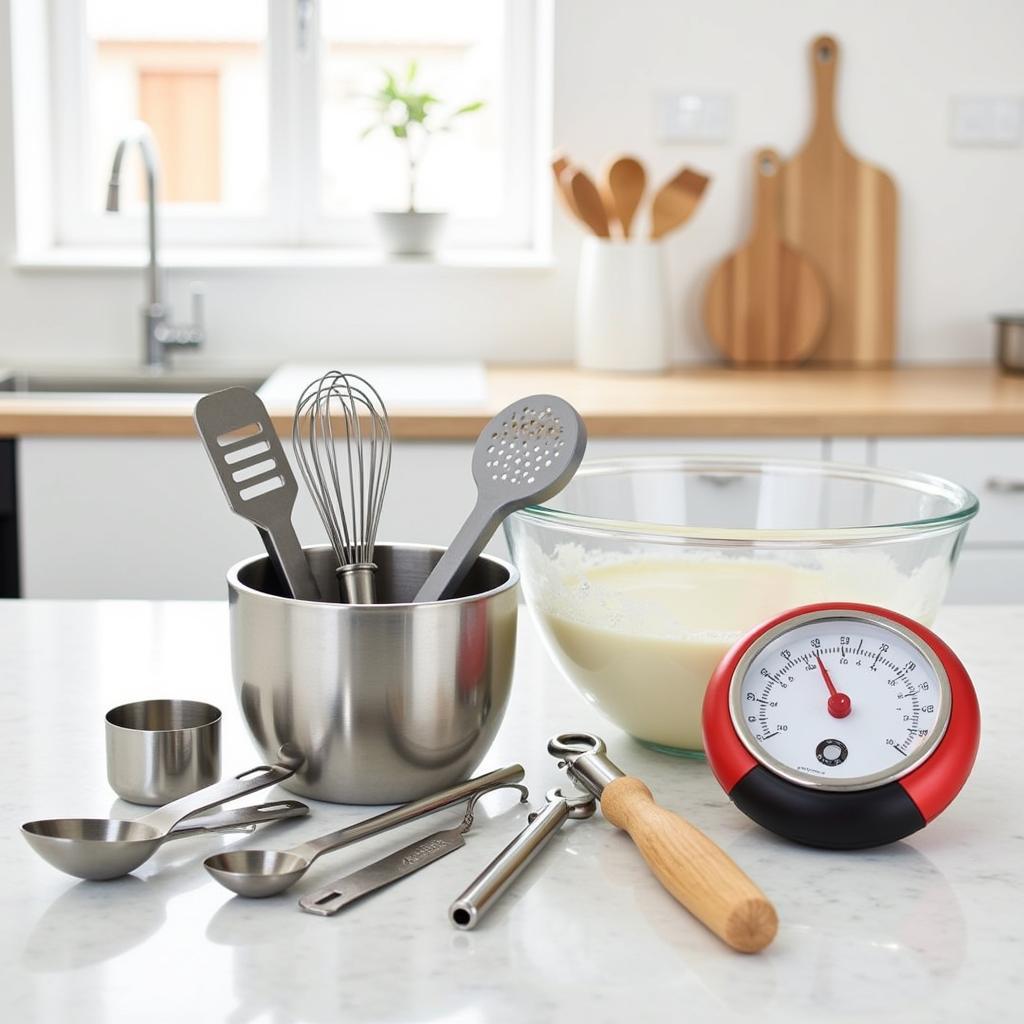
(838, 703)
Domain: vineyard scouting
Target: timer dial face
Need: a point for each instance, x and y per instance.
(845, 700)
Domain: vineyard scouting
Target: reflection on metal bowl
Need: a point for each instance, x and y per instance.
(389, 701)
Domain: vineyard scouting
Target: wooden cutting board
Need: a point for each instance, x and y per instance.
(841, 213)
(766, 303)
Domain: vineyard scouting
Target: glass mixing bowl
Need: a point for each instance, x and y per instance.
(644, 571)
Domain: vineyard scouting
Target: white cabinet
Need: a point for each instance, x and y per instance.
(787, 447)
(991, 467)
(146, 518)
(991, 566)
(988, 576)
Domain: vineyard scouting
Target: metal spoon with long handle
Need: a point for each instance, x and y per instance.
(259, 873)
(526, 454)
(238, 819)
(102, 848)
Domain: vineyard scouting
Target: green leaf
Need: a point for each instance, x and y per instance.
(397, 105)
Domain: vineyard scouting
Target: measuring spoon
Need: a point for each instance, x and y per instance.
(102, 848)
(259, 873)
(238, 819)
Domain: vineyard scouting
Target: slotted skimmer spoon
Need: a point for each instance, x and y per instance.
(258, 482)
(525, 455)
(102, 848)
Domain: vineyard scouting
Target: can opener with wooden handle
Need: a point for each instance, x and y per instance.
(697, 873)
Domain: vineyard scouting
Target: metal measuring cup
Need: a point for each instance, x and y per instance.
(161, 750)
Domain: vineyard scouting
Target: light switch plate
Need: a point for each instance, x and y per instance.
(986, 121)
(695, 117)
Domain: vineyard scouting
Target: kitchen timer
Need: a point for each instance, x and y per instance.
(841, 725)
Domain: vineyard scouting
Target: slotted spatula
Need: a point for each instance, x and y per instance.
(526, 454)
(258, 482)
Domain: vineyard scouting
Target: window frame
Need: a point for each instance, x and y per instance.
(294, 217)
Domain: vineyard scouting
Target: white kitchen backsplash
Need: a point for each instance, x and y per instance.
(961, 220)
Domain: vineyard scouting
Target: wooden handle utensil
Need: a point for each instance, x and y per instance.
(587, 202)
(700, 875)
(579, 195)
(676, 200)
(560, 168)
(622, 189)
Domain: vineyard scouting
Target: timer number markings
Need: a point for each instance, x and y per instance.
(880, 703)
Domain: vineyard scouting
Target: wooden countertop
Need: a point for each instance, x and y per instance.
(688, 402)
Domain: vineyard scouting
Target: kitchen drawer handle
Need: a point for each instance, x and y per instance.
(720, 479)
(1004, 485)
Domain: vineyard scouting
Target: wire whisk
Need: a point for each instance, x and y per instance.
(346, 472)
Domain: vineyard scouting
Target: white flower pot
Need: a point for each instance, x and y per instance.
(623, 320)
(410, 233)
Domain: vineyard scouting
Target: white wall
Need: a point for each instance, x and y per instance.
(962, 214)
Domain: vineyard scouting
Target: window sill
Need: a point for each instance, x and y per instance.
(277, 258)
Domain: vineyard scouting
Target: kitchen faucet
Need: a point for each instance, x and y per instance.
(159, 334)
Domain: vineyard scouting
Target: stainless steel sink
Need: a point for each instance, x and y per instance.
(127, 382)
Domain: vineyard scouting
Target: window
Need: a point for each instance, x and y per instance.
(258, 108)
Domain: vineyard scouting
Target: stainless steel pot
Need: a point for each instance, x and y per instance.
(1010, 341)
(388, 702)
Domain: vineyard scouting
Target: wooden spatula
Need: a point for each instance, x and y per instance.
(675, 201)
(622, 188)
(766, 303)
(561, 167)
(587, 200)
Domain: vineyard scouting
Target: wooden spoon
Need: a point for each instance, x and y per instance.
(622, 189)
(560, 168)
(587, 200)
(676, 200)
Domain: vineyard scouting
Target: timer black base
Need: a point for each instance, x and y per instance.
(834, 821)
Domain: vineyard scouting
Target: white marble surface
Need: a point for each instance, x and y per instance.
(926, 930)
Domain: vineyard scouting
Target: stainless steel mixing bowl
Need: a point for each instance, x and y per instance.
(388, 702)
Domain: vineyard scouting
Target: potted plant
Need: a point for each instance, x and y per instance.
(412, 116)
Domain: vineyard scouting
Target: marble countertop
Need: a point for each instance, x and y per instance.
(925, 930)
